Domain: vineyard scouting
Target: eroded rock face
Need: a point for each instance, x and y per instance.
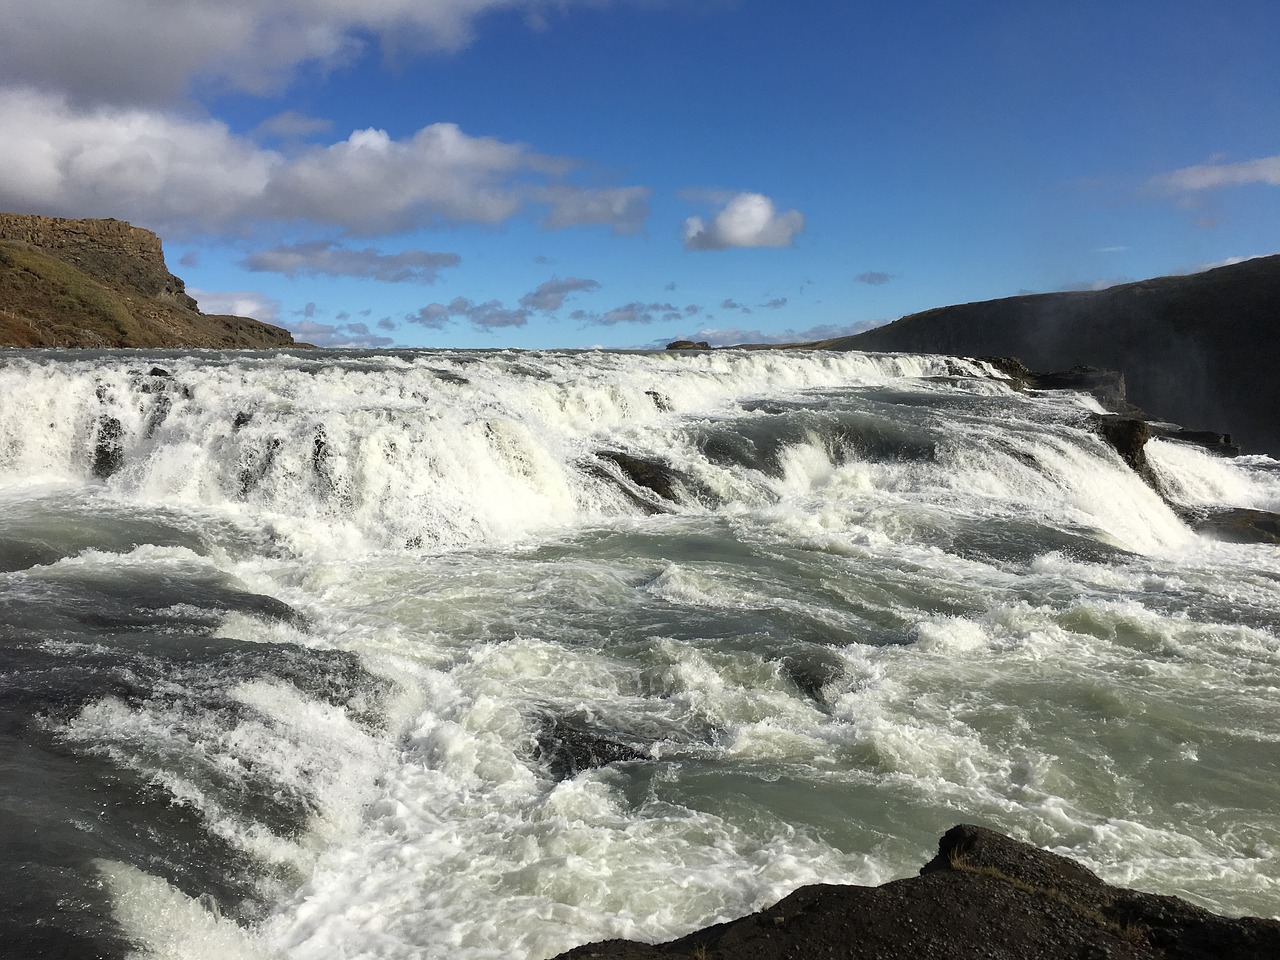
(104, 284)
(112, 251)
(983, 897)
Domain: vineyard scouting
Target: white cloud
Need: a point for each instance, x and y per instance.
(134, 50)
(747, 220)
(326, 258)
(238, 303)
(1211, 175)
(168, 169)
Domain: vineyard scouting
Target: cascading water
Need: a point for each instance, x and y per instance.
(421, 654)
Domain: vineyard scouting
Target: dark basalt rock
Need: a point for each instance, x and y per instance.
(983, 897)
(652, 475)
(569, 746)
(659, 400)
(1128, 437)
(108, 451)
(1107, 386)
(688, 345)
(1235, 524)
(1211, 440)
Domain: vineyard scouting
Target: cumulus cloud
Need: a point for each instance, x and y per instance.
(551, 295)
(490, 315)
(747, 220)
(775, 304)
(134, 50)
(238, 303)
(326, 258)
(167, 169)
(1208, 176)
(875, 278)
(730, 304)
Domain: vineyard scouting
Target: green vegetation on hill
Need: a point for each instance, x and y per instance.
(104, 283)
(45, 302)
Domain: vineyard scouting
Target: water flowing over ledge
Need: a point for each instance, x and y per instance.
(492, 654)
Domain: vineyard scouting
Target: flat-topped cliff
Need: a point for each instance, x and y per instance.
(104, 283)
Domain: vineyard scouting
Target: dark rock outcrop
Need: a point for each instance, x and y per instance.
(1235, 524)
(983, 897)
(570, 745)
(1197, 349)
(102, 284)
(1107, 386)
(639, 474)
(688, 345)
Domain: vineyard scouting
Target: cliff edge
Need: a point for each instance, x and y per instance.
(104, 283)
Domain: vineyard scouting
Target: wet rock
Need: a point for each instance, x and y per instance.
(1128, 437)
(688, 345)
(638, 473)
(659, 401)
(1235, 524)
(1211, 440)
(1106, 386)
(983, 897)
(569, 745)
(251, 473)
(108, 450)
(811, 670)
(242, 420)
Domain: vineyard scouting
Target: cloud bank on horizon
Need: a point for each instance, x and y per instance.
(537, 165)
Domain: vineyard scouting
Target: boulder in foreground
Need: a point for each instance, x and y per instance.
(983, 897)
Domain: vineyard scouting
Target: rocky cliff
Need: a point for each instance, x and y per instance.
(104, 283)
(1199, 349)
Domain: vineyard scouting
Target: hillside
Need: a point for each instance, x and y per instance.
(104, 283)
(1199, 350)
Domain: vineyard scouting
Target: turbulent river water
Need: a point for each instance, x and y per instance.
(481, 655)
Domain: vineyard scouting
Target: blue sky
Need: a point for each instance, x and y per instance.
(570, 173)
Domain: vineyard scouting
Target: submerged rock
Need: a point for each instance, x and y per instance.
(653, 475)
(983, 897)
(569, 746)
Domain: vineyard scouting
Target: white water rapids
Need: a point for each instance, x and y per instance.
(392, 655)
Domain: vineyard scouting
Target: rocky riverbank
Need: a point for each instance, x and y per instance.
(983, 897)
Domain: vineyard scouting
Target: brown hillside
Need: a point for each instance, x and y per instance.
(104, 283)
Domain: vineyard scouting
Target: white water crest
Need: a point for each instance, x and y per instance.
(493, 654)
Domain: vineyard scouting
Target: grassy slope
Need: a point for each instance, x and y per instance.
(48, 302)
